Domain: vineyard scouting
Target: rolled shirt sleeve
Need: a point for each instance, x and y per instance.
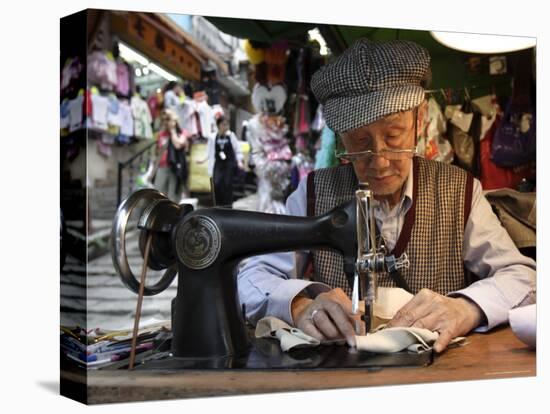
(508, 277)
(268, 283)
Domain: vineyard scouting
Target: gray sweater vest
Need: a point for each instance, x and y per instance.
(432, 234)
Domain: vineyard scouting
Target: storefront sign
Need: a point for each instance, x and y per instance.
(162, 48)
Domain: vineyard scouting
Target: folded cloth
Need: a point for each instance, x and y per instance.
(384, 340)
(523, 322)
(289, 337)
(388, 340)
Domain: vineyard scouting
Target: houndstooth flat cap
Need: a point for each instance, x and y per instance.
(369, 81)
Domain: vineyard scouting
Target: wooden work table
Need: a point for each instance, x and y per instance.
(498, 354)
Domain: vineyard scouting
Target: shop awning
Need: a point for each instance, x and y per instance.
(338, 37)
(450, 68)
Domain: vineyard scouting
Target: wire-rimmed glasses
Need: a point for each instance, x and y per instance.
(389, 154)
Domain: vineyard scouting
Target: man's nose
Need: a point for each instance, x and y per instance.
(378, 162)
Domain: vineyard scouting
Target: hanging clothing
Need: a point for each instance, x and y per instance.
(76, 109)
(102, 70)
(73, 77)
(432, 144)
(126, 119)
(142, 118)
(100, 111)
(325, 156)
(65, 119)
(270, 155)
(122, 78)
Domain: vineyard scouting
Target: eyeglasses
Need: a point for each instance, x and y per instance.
(389, 154)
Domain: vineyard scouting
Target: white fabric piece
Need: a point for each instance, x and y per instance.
(289, 337)
(388, 340)
(523, 322)
(385, 340)
(396, 339)
(389, 301)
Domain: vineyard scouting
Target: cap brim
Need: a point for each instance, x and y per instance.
(344, 113)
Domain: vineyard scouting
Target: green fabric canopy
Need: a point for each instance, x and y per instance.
(449, 67)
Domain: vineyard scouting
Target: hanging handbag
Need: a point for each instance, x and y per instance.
(515, 140)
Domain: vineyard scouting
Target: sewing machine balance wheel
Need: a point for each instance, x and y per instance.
(156, 219)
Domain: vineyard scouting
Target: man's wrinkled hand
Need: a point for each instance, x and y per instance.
(327, 317)
(451, 317)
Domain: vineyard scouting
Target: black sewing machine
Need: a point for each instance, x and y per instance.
(204, 248)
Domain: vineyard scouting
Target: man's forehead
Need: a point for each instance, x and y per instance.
(395, 118)
(398, 119)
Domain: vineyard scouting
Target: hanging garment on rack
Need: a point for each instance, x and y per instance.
(122, 78)
(114, 118)
(75, 113)
(142, 118)
(432, 143)
(465, 143)
(102, 70)
(126, 119)
(100, 111)
(65, 115)
(325, 157)
(72, 76)
(318, 122)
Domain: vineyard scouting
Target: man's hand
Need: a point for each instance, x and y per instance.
(325, 318)
(451, 317)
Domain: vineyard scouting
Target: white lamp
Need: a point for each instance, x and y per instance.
(483, 43)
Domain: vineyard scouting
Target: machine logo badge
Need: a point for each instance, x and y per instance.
(198, 242)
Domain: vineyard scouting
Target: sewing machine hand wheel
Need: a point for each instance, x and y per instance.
(148, 221)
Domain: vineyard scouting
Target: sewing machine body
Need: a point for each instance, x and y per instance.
(205, 247)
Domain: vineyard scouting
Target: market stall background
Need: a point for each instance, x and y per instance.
(101, 164)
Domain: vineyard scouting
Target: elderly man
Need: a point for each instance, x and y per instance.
(436, 214)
